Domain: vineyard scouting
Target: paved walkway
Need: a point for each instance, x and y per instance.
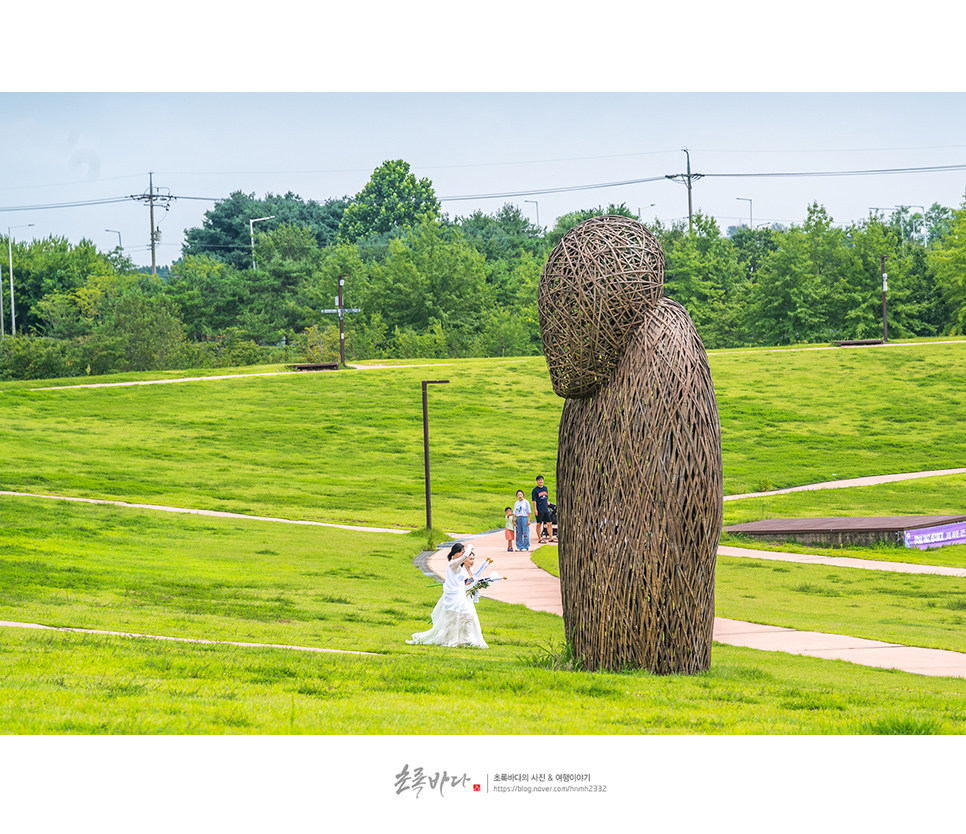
(529, 585)
(215, 513)
(845, 483)
(7, 624)
(540, 591)
(838, 561)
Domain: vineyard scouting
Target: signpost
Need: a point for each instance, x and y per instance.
(341, 310)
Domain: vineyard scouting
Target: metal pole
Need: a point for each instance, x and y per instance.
(13, 319)
(885, 286)
(13, 314)
(751, 222)
(690, 210)
(154, 263)
(538, 209)
(429, 506)
(3, 332)
(251, 233)
(342, 336)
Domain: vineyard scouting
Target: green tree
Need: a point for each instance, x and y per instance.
(939, 221)
(751, 246)
(149, 332)
(504, 235)
(51, 266)
(210, 295)
(948, 261)
(430, 275)
(702, 274)
(393, 198)
(785, 305)
(225, 233)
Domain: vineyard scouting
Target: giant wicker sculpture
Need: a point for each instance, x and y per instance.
(639, 491)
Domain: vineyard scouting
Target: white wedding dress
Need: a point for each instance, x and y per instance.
(455, 621)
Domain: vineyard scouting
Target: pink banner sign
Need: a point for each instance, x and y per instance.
(936, 536)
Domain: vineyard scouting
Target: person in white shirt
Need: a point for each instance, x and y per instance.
(521, 512)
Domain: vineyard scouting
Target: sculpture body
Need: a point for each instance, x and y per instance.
(639, 483)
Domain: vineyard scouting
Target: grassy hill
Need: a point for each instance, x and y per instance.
(347, 447)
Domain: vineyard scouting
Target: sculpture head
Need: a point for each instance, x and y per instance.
(596, 287)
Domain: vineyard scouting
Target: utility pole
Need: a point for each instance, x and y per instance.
(690, 209)
(686, 179)
(154, 260)
(151, 197)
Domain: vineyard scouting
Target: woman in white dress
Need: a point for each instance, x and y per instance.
(455, 621)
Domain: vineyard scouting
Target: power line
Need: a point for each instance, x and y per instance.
(77, 204)
(866, 172)
(549, 190)
(557, 190)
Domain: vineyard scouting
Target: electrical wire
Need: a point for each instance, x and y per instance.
(556, 190)
(549, 190)
(77, 204)
(867, 172)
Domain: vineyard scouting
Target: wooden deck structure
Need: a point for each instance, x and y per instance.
(841, 531)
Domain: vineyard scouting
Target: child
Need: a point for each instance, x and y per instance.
(509, 528)
(521, 512)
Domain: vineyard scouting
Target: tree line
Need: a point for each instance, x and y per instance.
(431, 286)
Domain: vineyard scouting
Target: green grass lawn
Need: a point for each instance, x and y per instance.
(347, 447)
(151, 573)
(94, 684)
(148, 572)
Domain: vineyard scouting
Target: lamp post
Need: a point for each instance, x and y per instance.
(751, 222)
(924, 240)
(120, 248)
(13, 314)
(251, 232)
(429, 509)
(649, 205)
(537, 204)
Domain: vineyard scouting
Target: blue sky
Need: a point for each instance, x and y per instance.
(60, 147)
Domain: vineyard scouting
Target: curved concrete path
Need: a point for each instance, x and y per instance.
(540, 591)
(850, 482)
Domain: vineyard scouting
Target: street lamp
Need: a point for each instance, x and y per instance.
(429, 509)
(251, 232)
(924, 241)
(537, 204)
(751, 222)
(119, 246)
(13, 314)
(649, 205)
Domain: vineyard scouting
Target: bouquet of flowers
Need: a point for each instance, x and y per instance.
(482, 584)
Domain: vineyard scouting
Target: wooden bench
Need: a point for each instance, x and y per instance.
(857, 342)
(315, 366)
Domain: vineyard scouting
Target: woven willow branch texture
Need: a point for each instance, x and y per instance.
(639, 476)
